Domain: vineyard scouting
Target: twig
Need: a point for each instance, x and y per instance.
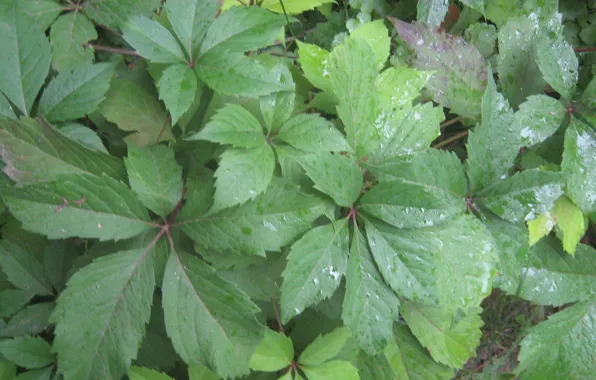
(283, 8)
(451, 122)
(584, 49)
(450, 139)
(281, 327)
(110, 49)
(163, 129)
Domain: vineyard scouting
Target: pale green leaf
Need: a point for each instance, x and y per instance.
(312, 133)
(26, 55)
(152, 40)
(67, 36)
(79, 206)
(134, 109)
(114, 13)
(204, 329)
(315, 64)
(336, 175)
(30, 321)
(475, 4)
(538, 118)
(101, 316)
(275, 352)
(84, 135)
(156, 177)
(27, 352)
(324, 347)
(177, 88)
(570, 223)
(397, 87)
(559, 65)
(376, 35)
(540, 227)
(23, 269)
(293, 7)
(335, 369)
(76, 93)
(141, 373)
(316, 264)
(432, 12)
(370, 307)
(5, 108)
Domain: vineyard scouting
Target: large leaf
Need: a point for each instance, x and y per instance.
(114, 13)
(559, 65)
(204, 329)
(316, 264)
(100, 317)
(312, 133)
(274, 353)
(152, 41)
(564, 344)
(33, 151)
(27, 352)
(177, 88)
(370, 307)
(156, 177)
(23, 269)
(538, 118)
(79, 206)
(67, 36)
(26, 56)
(74, 94)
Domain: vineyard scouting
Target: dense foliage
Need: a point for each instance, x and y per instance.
(212, 189)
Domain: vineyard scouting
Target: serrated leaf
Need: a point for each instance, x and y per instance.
(449, 342)
(409, 360)
(27, 352)
(335, 369)
(432, 12)
(408, 205)
(221, 335)
(76, 93)
(375, 34)
(101, 316)
(563, 345)
(84, 135)
(336, 175)
(200, 372)
(293, 7)
(13, 300)
(538, 118)
(579, 162)
(114, 13)
(30, 321)
(312, 133)
(26, 56)
(559, 65)
(398, 87)
(540, 227)
(43, 12)
(152, 40)
(79, 206)
(67, 36)
(370, 307)
(460, 70)
(570, 223)
(141, 373)
(234, 125)
(324, 347)
(134, 109)
(316, 264)
(23, 269)
(177, 88)
(524, 195)
(156, 177)
(274, 353)
(314, 61)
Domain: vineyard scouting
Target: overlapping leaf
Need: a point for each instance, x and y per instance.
(579, 161)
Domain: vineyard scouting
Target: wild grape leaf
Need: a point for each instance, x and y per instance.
(133, 108)
(152, 40)
(79, 206)
(570, 223)
(202, 328)
(449, 342)
(524, 195)
(67, 36)
(398, 87)
(370, 307)
(76, 93)
(409, 360)
(293, 7)
(579, 162)
(274, 353)
(460, 70)
(538, 118)
(336, 175)
(563, 344)
(27, 351)
(30, 321)
(312, 133)
(375, 34)
(177, 88)
(559, 65)
(266, 223)
(6, 109)
(315, 62)
(316, 264)
(156, 177)
(23, 269)
(84, 135)
(114, 13)
(324, 347)
(101, 316)
(26, 55)
(141, 373)
(43, 12)
(431, 12)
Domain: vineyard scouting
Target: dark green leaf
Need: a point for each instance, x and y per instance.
(177, 88)
(29, 321)
(6, 109)
(152, 41)
(27, 352)
(23, 269)
(13, 300)
(67, 36)
(141, 373)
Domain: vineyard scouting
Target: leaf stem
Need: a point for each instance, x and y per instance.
(278, 318)
(283, 8)
(451, 122)
(584, 49)
(110, 49)
(450, 139)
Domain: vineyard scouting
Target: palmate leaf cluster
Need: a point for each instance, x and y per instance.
(203, 208)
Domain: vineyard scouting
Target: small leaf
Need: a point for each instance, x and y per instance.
(67, 36)
(84, 135)
(27, 352)
(177, 88)
(141, 373)
(375, 34)
(274, 353)
(314, 62)
(538, 118)
(312, 133)
(559, 66)
(335, 369)
(570, 222)
(540, 227)
(23, 269)
(30, 321)
(324, 347)
(114, 13)
(432, 12)
(152, 41)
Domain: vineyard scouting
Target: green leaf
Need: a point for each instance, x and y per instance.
(316, 264)
(449, 341)
(27, 352)
(524, 195)
(84, 135)
(559, 65)
(13, 300)
(242, 175)
(312, 133)
(190, 20)
(152, 41)
(488, 163)
(26, 56)
(432, 12)
(293, 7)
(408, 205)
(324, 347)
(156, 349)
(336, 175)
(133, 108)
(266, 223)
(335, 369)
(398, 87)
(23, 269)
(315, 64)
(202, 328)
(570, 223)
(79, 206)
(141, 373)
(278, 107)
(76, 93)
(275, 352)
(538, 118)
(541, 226)
(6, 109)
(375, 34)
(409, 360)
(579, 162)
(36, 374)
(114, 13)
(177, 88)
(8, 371)
(29, 321)
(370, 307)
(200, 372)
(483, 36)
(58, 258)
(67, 36)
(232, 124)
(43, 12)
(101, 316)
(563, 345)
(374, 367)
